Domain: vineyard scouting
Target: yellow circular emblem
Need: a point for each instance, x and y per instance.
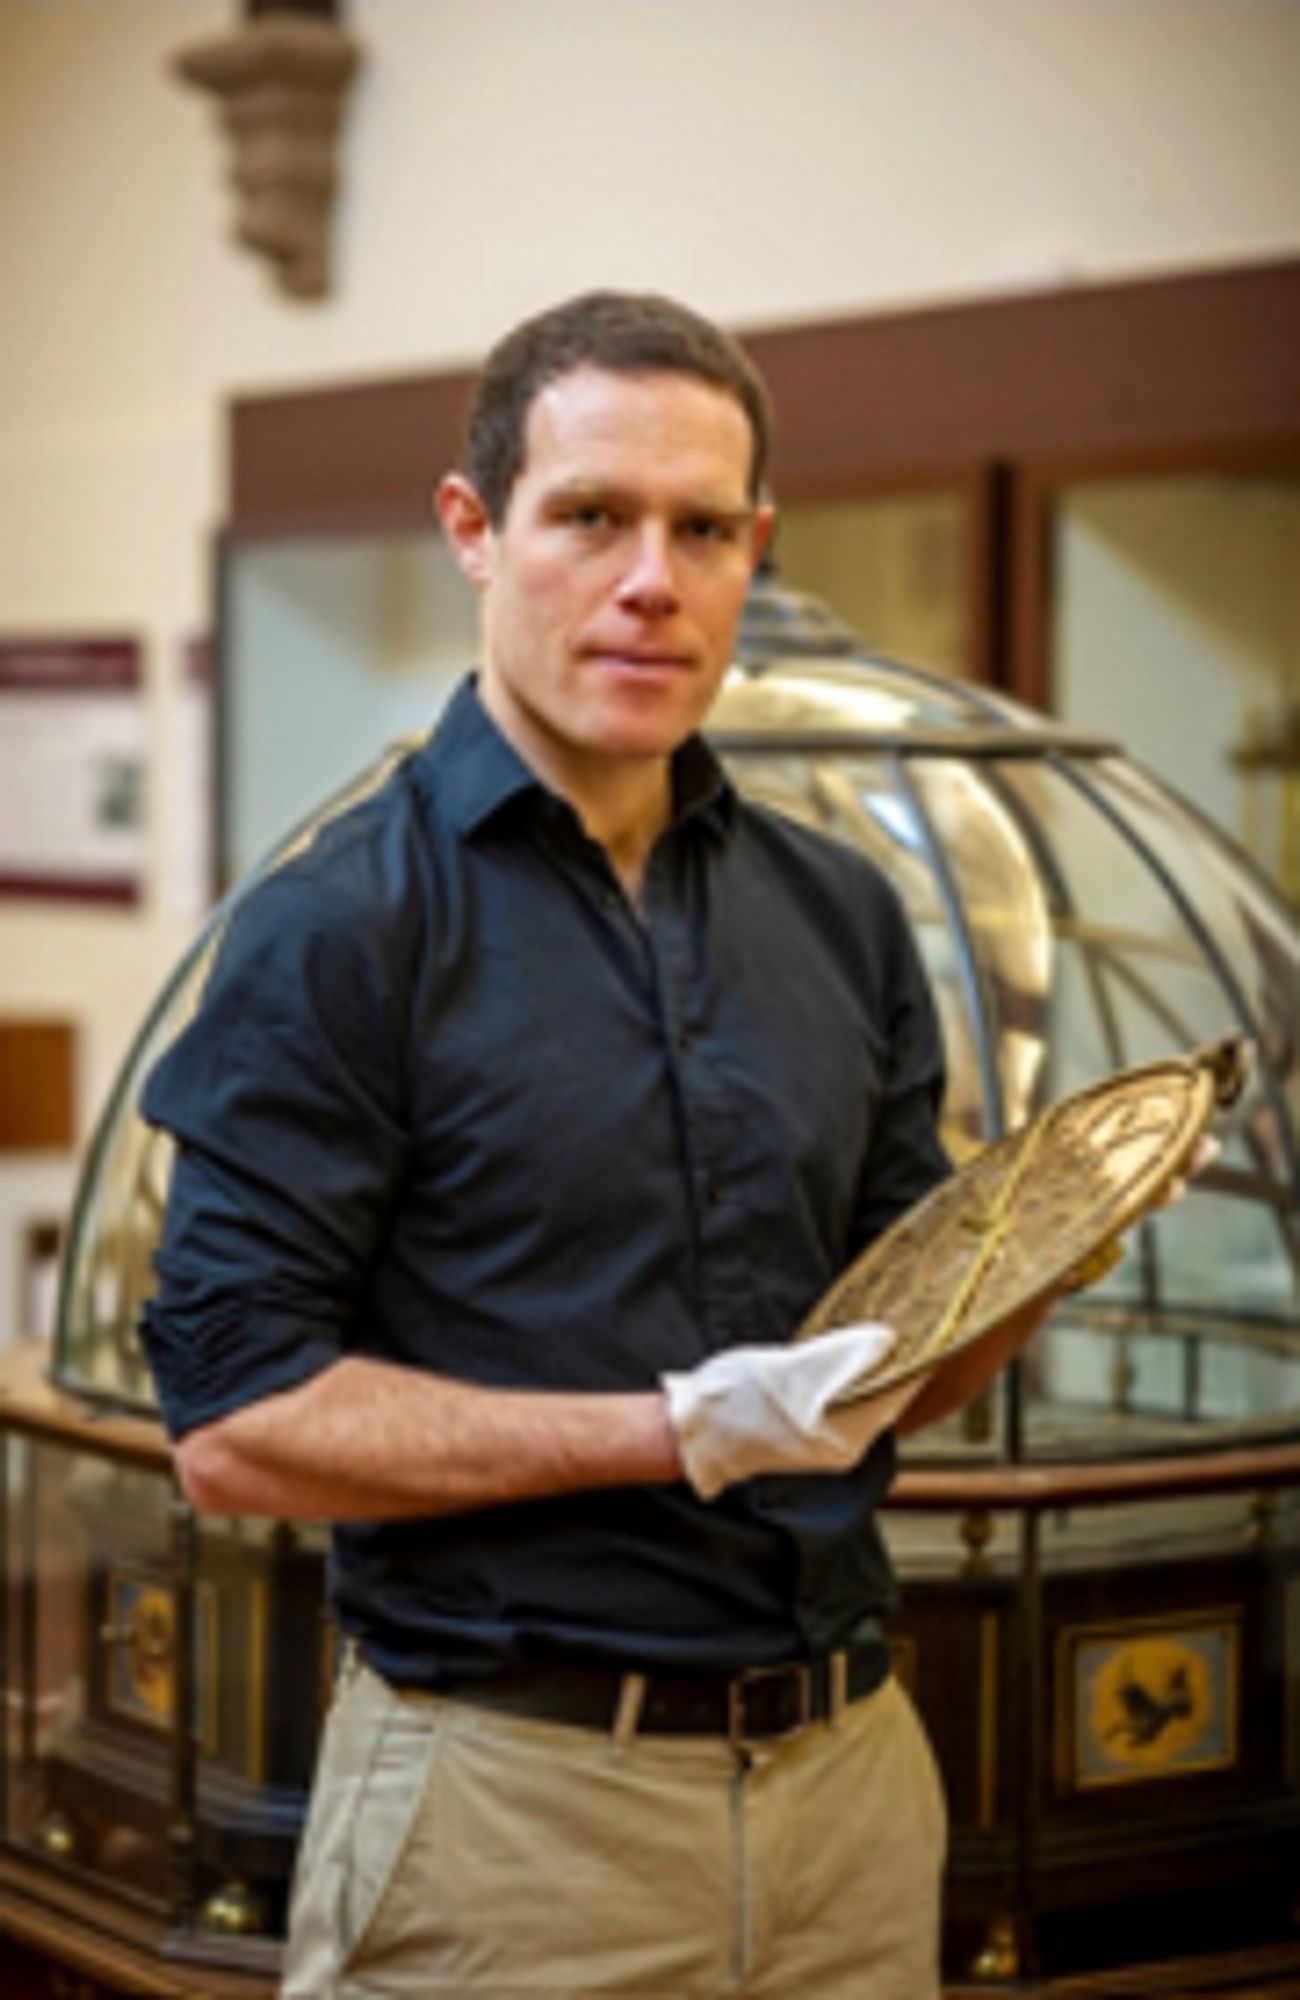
(1150, 1701)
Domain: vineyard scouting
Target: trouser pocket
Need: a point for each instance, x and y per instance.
(370, 1782)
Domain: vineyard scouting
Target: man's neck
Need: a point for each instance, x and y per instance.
(623, 803)
(624, 808)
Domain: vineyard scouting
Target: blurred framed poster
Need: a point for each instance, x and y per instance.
(72, 751)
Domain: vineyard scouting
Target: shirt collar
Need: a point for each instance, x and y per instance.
(701, 788)
(468, 765)
(475, 773)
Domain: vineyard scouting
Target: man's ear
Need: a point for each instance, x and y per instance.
(466, 525)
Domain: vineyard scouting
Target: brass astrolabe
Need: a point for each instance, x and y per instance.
(1030, 1212)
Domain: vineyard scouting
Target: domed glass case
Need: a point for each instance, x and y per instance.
(1075, 917)
(1099, 1560)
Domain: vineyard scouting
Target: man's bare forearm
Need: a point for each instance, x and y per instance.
(368, 1440)
(955, 1381)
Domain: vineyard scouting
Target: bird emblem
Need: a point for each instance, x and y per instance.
(1151, 1701)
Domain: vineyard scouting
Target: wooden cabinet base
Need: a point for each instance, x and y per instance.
(67, 1944)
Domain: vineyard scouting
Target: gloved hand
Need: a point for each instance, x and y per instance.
(768, 1409)
(1205, 1152)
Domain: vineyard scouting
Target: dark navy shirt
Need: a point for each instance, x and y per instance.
(450, 1100)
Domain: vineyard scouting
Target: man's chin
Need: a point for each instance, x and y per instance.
(641, 738)
(639, 723)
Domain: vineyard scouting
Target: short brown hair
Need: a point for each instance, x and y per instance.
(627, 333)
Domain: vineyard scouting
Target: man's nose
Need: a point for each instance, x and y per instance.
(649, 582)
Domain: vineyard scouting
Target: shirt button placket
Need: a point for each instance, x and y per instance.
(670, 962)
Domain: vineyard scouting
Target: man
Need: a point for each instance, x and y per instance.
(524, 1117)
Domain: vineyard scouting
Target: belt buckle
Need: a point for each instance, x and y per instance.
(797, 1672)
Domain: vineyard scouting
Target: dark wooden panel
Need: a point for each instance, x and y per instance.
(353, 459)
(36, 1086)
(1197, 359)
(1192, 360)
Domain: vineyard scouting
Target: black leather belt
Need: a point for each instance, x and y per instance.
(758, 1704)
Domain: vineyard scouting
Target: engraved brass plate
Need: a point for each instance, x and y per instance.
(1015, 1222)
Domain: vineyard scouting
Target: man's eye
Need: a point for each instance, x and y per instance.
(709, 528)
(592, 518)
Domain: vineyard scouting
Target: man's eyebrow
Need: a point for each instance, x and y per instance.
(567, 492)
(731, 516)
(589, 489)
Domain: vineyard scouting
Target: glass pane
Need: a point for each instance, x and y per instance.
(89, 1708)
(367, 637)
(893, 567)
(1176, 627)
(1112, 1382)
(1084, 964)
(1255, 937)
(1117, 974)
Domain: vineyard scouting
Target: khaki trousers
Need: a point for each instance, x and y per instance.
(453, 1850)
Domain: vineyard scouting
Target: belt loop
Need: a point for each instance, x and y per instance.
(837, 1687)
(631, 1700)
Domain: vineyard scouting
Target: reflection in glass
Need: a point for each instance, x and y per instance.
(1003, 898)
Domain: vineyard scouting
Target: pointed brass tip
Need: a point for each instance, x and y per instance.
(1230, 1062)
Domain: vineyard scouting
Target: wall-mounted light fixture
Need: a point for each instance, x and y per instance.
(281, 79)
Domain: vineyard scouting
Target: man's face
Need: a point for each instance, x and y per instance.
(611, 588)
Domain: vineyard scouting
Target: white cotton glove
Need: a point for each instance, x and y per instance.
(769, 1409)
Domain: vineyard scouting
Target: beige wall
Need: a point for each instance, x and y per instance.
(773, 160)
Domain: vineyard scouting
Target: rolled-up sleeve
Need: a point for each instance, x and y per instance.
(283, 1096)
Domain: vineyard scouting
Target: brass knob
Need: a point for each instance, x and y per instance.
(233, 1909)
(1000, 1958)
(56, 1836)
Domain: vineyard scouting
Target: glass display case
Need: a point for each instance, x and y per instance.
(1100, 1560)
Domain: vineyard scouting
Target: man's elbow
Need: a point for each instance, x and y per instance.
(210, 1473)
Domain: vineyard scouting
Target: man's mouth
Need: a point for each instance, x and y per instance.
(639, 660)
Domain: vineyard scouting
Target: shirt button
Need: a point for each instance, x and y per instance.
(713, 1193)
(685, 1039)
